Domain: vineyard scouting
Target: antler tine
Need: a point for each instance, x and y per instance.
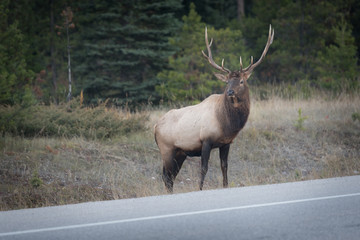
(241, 66)
(209, 56)
(251, 67)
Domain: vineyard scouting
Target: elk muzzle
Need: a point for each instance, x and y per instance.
(230, 93)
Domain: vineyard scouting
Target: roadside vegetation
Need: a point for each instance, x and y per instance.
(53, 155)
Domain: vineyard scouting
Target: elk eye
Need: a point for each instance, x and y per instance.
(242, 82)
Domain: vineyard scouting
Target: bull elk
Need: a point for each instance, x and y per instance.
(213, 123)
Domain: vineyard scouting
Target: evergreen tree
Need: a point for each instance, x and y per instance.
(302, 30)
(303, 27)
(218, 13)
(122, 46)
(15, 78)
(45, 53)
(255, 29)
(338, 63)
(33, 22)
(190, 78)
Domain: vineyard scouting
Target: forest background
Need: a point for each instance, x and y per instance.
(136, 52)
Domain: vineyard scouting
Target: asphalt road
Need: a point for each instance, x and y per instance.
(320, 209)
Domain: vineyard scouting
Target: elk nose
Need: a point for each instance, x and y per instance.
(230, 92)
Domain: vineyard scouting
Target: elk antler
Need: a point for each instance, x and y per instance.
(251, 67)
(210, 59)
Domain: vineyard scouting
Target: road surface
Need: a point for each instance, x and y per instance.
(319, 209)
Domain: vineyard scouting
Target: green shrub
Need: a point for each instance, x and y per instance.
(299, 124)
(355, 116)
(69, 120)
(35, 181)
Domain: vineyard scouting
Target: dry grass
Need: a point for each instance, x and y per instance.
(45, 171)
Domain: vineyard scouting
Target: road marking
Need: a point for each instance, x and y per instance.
(174, 215)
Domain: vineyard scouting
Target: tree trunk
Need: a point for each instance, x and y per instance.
(68, 98)
(52, 51)
(240, 9)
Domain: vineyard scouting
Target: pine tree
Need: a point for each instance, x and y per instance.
(190, 78)
(338, 62)
(45, 52)
(218, 13)
(15, 78)
(302, 28)
(122, 47)
(255, 29)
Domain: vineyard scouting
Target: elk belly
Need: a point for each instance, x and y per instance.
(187, 135)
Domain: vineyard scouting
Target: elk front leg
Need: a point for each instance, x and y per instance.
(205, 154)
(224, 152)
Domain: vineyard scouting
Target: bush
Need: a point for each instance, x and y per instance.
(299, 124)
(69, 120)
(355, 116)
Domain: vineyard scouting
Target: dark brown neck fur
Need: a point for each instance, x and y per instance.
(233, 119)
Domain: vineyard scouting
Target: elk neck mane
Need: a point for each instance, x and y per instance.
(233, 119)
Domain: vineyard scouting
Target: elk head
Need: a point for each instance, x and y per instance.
(236, 80)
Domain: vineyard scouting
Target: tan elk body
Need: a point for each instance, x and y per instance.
(213, 123)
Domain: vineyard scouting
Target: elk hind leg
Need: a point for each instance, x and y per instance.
(180, 157)
(167, 158)
(171, 167)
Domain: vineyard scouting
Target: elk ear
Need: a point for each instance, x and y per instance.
(221, 77)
